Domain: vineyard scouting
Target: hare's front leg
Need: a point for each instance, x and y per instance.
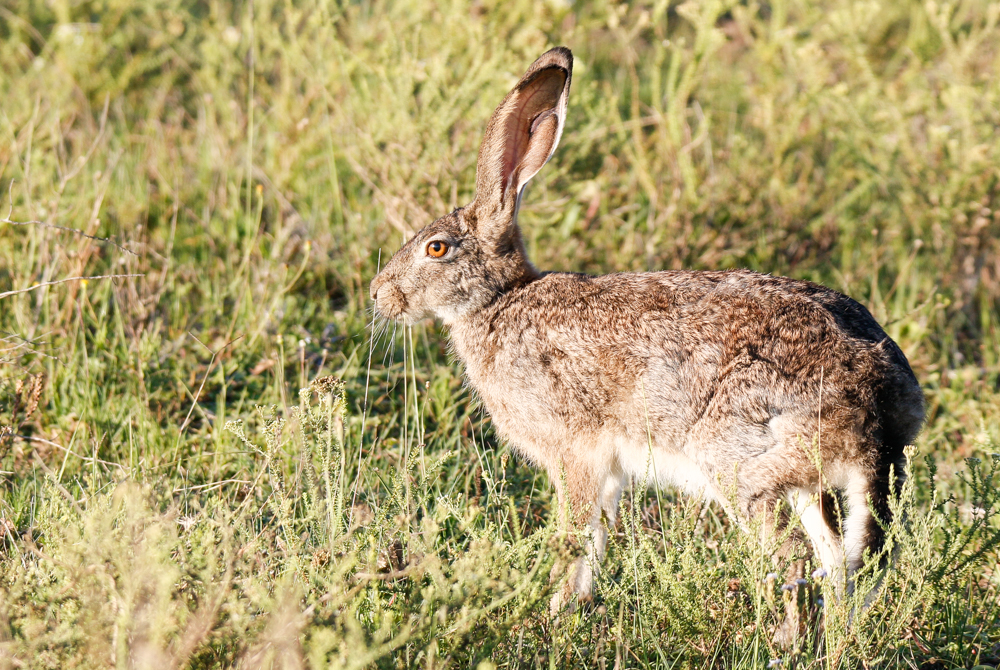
(588, 503)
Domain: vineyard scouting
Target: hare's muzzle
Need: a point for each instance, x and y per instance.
(389, 300)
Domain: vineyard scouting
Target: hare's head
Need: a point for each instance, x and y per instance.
(465, 259)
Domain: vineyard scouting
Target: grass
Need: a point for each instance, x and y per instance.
(169, 497)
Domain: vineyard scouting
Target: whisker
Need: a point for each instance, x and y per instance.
(391, 346)
(372, 327)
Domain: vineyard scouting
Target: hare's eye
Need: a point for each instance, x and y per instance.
(437, 248)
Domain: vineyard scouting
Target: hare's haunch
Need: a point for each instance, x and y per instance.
(733, 385)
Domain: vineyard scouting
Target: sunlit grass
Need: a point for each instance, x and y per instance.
(253, 165)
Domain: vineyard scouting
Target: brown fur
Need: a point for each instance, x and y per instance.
(710, 381)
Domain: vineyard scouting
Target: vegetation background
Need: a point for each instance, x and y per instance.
(243, 169)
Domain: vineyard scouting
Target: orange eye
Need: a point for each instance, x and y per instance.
(437, 248)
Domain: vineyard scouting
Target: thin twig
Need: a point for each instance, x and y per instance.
(24, 344)
(65, 229)
(59, 487)
(8, 336)
(29, 438)
(212, 485)
(62, 281)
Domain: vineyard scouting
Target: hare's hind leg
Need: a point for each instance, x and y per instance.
(764, 496)
(765, 508)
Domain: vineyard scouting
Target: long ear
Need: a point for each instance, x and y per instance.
(523, 133)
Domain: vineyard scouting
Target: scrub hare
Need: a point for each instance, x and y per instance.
(731, 385)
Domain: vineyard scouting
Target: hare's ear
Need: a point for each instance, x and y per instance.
(523, 134)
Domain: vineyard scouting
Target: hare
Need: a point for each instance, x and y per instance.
(741, 387)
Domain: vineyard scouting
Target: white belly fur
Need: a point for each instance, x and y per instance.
(665, 468)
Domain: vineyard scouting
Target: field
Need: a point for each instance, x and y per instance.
(212, 456)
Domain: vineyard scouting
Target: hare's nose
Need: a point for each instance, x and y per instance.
(373, 289)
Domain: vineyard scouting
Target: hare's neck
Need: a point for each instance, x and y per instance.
(473, 348)
(500, 279)
(478, 337)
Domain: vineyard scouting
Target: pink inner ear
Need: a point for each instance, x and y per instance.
(543, 138)
(540, 95)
